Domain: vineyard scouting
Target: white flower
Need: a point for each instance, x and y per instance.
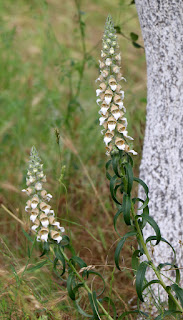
(43, 233)
(34, 202)
(111, 51)
(108, 96)
(98, 92)
(38, 186)
(28, 191)
(45, 207)
(125, 133)
(102, 120)
(120, 143)
(111, 123)
(48, 197)
(56, 236)
(108, 62)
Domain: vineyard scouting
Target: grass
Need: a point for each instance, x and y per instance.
(41, 62)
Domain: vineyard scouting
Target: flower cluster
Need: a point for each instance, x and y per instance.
(111, 95)
(41, 214)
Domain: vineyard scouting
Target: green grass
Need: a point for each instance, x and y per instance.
(40, 63)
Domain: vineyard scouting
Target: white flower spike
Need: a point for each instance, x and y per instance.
(40, 212)
(111, 95)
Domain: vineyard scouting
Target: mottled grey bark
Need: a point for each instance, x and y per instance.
(162, 162)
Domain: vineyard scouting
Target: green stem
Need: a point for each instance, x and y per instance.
(85, 285)
(149, 259)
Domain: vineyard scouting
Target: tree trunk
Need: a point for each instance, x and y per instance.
(162, 162)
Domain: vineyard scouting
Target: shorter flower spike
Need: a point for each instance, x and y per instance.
(41, 214)
(111, 95)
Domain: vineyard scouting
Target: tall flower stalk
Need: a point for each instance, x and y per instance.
(120, 173)
(40, 212)
(110, 94)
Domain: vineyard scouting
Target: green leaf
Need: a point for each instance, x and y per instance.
(107, 167)
(120, 246)
(112, 188)
(126, 208)
(100, 276)
(60, 257)
(166, 313)
(142, 183)
(132, 312)
(179, 292)
(135, 259)
(37, 266)
(118, 29)
(65, 241)
(132, 2)
(81, 311)
(28, 252)
(129, 173)
(70, 283)
(46, 249)
(79, 261)
(154, 225)
(115, 162)
(161, 265)
(94, 305)
(171, 304)
(134, 36)
(164, 240)
(140, 276)
(144, 204)
(150, 283)
(136, 45)
(27, 235)
(116, 218)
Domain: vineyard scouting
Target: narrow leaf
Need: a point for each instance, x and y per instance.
(164, 240)
(140, 276)
(100, 276)
(129, 172)
(126, 208)
(154, 225)
(37, 266)
(124, 314)
(142, 183)
(70, 282)
(135, 259)
(120, 246)
(179, 292)
(81, 311)
(94, 306)
(112, 188)
(166, 313)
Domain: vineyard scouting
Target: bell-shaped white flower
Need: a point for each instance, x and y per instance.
(38, 186)
(56, 236)
(108, 96)
(111, 51)
(45, 207)
(102, 120)
(108, 62)
(108, 137)
(111, 123)
(120, 143)
(43, 233)
(34, 202)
